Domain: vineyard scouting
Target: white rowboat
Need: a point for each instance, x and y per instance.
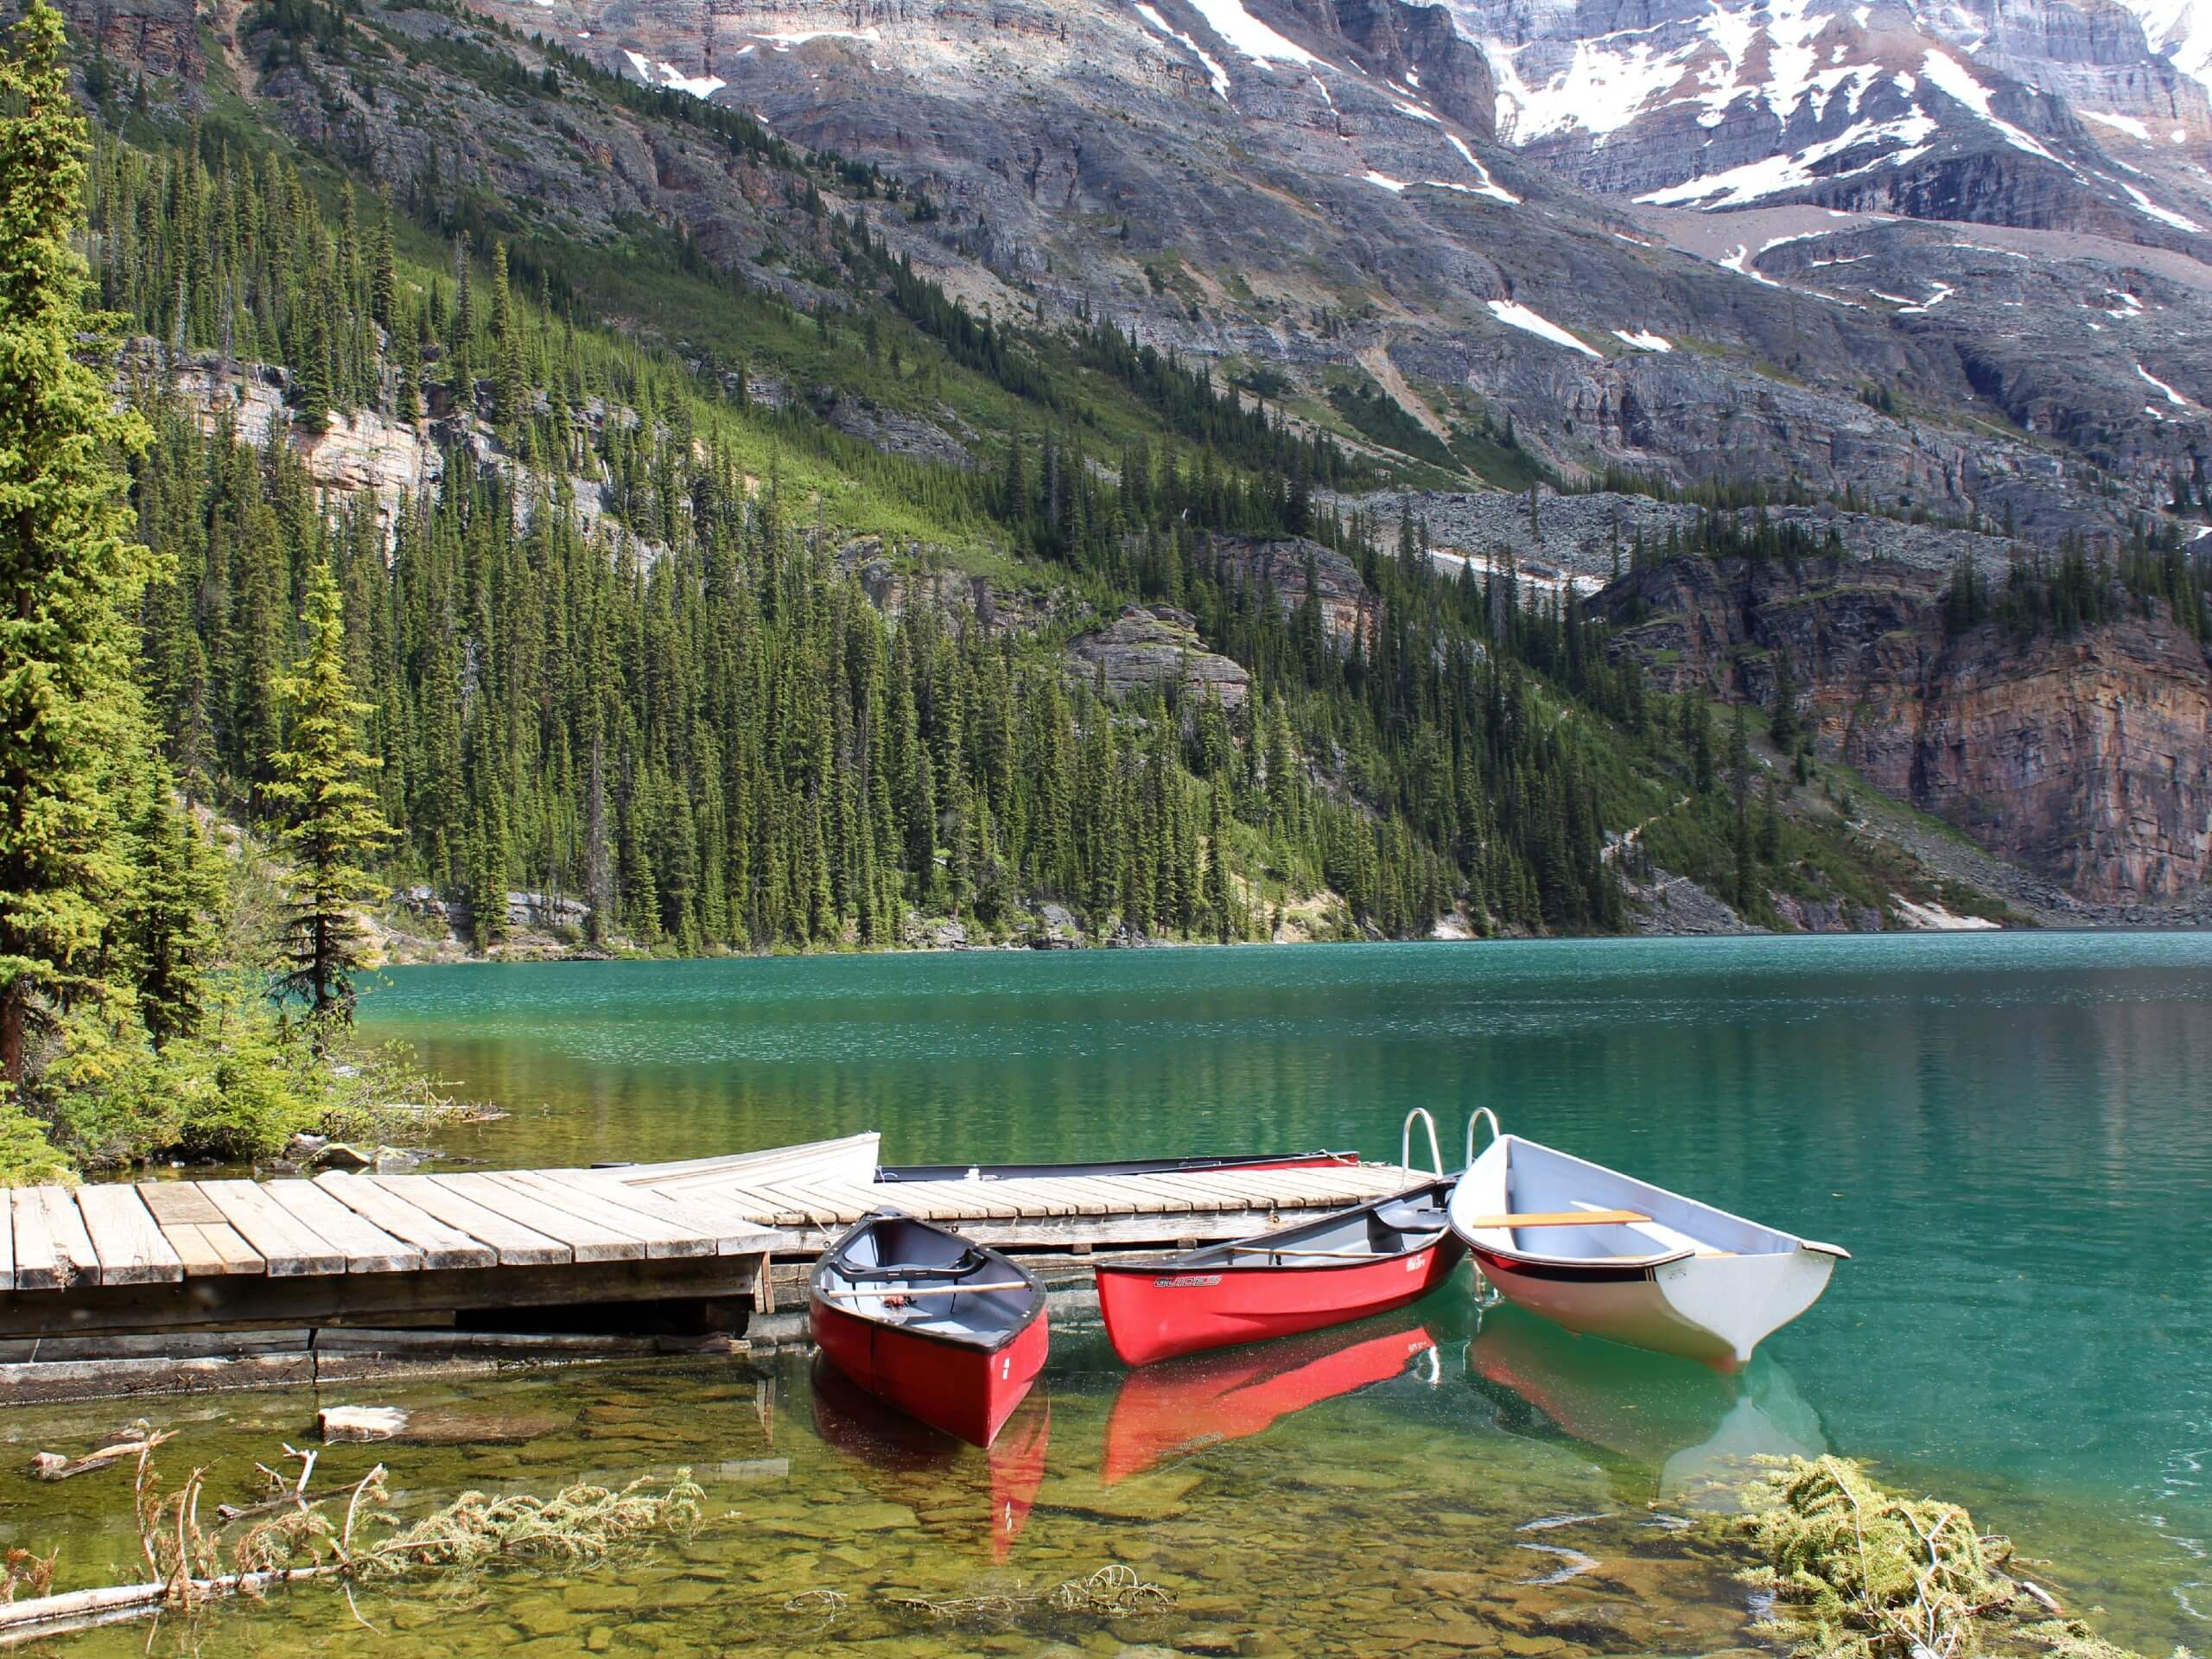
(1648, 1267)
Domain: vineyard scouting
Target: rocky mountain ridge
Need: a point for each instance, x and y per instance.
(1325, 199)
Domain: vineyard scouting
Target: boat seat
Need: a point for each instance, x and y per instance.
(1411, 1218)
(1659, 1233)
(902, 1272)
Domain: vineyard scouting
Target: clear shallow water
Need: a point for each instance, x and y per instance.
(2013, 1134)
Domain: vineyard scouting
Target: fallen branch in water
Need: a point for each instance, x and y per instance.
(52, 1465)
(294, 1536)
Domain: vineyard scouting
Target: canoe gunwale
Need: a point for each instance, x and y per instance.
(1195, 1261)
(973, 1343)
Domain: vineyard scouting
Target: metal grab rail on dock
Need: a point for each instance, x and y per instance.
(1473, 1118)
(1406, 1144)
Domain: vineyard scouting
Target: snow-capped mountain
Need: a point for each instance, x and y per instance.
(2181, 32)
(2044, 113)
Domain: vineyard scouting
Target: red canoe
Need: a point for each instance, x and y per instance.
(942, 1329)
(1169, 1411)
(1345, 1266)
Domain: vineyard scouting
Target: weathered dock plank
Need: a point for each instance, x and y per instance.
(799, 1204)
(209, 1252)
(443, 1246)
(205, 1244)
(729, 1234)
(127, 1237)
(516, 1245)
(286, 1246)
(366, 1246)
(1262, 1189)
(662, 1237)
(1098, 1197)
(587, 1240)
(53, 1250)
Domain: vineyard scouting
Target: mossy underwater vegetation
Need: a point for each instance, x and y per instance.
(1840, 1566)
(1851, 1570)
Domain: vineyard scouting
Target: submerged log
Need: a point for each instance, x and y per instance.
(52, 1465)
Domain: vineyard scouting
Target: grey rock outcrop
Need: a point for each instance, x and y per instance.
(1157, 647)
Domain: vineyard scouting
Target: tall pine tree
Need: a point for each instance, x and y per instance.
(68, 567)
(332, 826)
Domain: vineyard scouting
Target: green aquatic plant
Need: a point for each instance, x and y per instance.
(1115, 1590)
(1855, 1571)
(345, 1533)
(581, 1523)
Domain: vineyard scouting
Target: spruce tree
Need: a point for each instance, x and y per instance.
(167, 923)
(68, 569)
(1783, 725)
(331, 822)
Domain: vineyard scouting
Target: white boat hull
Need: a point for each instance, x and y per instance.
(1689, 1279)
(1714, 1310)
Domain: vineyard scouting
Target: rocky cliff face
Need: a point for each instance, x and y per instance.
(2086, 757)
(1158, 647)
(1290, 570)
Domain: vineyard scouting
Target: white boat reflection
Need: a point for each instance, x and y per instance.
(1694, 1429)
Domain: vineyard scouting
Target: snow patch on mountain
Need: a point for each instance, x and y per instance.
(1953, 79)
(1738, 186)
(1488, 186)
(668, 75)
(1214, 71)
(2126, 124)
(2150, 209)
(2172, 396)
(1239, 29)
(1514, 315)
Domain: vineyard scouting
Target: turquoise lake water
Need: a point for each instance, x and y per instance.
(2012, 1133)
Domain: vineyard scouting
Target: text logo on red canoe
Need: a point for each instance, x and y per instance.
(1186, 1282)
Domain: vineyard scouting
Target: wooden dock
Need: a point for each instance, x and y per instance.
(364, 1249)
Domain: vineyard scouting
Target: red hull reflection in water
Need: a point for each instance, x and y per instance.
(932, 1473)
(1183, 1406)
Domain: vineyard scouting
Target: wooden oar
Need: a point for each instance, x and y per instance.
(931, 1290)
(1564, 1219)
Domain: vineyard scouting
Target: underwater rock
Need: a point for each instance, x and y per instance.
(341, 1423)
(452, 1426)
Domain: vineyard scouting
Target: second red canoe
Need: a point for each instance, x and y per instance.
(927, 1321)
(1345, 1266)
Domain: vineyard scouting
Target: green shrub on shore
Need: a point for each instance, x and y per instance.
(236, 1090)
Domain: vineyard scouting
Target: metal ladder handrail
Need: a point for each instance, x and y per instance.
(1474, 1117)
(1406, 1143)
